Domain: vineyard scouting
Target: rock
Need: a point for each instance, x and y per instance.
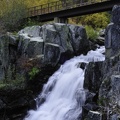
(100, 40)
(108, 36)
(102, 33)
(89, 97)
(57, 35)
(34, 31)
(115, 15)
(34, 48)
(17, 102)
(94, 115)
(38, 47)
(8, 55)
(83, 65)
(90, 106)
(2, 105)
(109, 94)
(79, 40)
(70, 39)
(30, 47)
(93, 76)
(52, 53)
(92, 45)
(114, 117)
(112, 42)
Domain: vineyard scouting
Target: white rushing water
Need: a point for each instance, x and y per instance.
(64, 94)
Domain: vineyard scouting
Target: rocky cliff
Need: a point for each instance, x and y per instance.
(48, 44)
(102, 79)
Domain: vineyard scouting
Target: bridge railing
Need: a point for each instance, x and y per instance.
(58, 6)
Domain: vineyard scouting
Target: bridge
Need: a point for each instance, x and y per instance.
(60, 11)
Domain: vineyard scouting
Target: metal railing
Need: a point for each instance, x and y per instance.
(58, 6)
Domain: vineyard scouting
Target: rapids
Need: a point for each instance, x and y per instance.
(63, 94)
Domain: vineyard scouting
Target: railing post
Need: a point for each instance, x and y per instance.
(48, 7)
(56, 6)
(34, 11)
(41, 9)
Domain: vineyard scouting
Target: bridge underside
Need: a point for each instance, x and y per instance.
(78, 11)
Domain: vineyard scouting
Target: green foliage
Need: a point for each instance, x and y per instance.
(98, 20)
(30, 22)
(19, 82)
(33, 72)
(13, 13)
(91, 33)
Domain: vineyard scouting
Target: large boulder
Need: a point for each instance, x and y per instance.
(52, 53)
(109, 94)
(109, 90)
(8, 56)
(56, 36)
(79, 40)
(30, 42)
(51, 44)
(112, 41)
(33, 31)
(94, 115)
(93, 76)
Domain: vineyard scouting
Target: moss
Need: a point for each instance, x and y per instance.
(33, 72)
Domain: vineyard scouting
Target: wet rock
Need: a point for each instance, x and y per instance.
(100, 40)
(83, 65)
(94, 115)
(89, 97)
(92, 45)
(115, 15)
(109, 94)
(114, 117)
(102, 33)
(93, 76)
(51, 53)
(112, 42)
(90, 106)
(79, 40)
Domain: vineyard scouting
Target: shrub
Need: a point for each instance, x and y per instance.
(91, 33)
(33, 72)
(13, 15)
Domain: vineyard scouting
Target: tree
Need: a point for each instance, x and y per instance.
(12, 12)
(98, 20)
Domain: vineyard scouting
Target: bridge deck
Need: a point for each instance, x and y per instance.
(68, 9)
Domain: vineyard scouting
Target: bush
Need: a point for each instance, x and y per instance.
(12, 16)
(33, 72)
(91, 33)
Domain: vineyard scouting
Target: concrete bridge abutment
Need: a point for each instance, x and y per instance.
(61, 20)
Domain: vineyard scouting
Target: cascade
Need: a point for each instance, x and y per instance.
(63, 95)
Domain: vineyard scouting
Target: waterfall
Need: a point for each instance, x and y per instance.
(63, 96)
